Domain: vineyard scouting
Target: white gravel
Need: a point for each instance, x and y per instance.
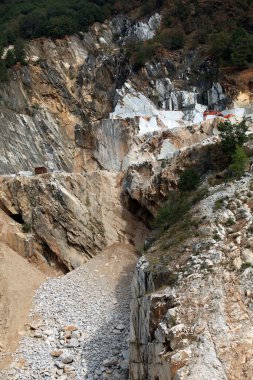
(94, 300)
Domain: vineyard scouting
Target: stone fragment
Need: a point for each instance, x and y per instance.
(56, 353)
(237, 263)
(66, 358)
(73, 343)
(120, 327)
(110, 362)
(70, 328)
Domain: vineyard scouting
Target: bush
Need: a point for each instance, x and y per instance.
(3, 71)
(176, 207)
(10, 59)
(189, 180)
(241, 50)
(232, 135)
(141, 53)
(171, 39)
(61, 26)
(239, 162)
(26, 227)
(235, 49)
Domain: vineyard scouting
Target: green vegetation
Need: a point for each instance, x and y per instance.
(230, 221)
(140, 53)
(239, 162)
(26, 227)
(233, 48)
(218, 204)
(232, 135)
(224, 26)
(54, 18)
(177, 205)
(189, 180)
(245, 266)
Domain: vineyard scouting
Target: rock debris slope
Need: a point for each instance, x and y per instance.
(79, 324)
(110, 138)
(191, 311)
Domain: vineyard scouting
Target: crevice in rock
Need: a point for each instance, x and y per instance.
(17, 218)
(140, 211)
(52, 259)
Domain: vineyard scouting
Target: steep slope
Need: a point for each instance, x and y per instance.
(18, 281)
(83, 325)
(191, 311)
(113, 140)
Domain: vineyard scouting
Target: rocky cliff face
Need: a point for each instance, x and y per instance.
(114, 141)
(56, 110)
(191, 305)
(70, 217)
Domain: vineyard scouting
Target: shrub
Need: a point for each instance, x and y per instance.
(171, 39)
(241, 50)
(10, 59)
(26, 227)
(141, 53)
(189, 180)
(3, 71)
(239, 162)
(220, 44)
(232, 135)
(176, 207)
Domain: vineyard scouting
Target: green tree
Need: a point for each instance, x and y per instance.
(232, 135)
(61, 26)
(19, 51)
(189, 180)
(10, 59)
(239, 162)
(241, 50)
(220, 45)
(3, 71)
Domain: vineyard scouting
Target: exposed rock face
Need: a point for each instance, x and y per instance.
(198, 325)
(72, 216)
(55, 111)
(80, 110)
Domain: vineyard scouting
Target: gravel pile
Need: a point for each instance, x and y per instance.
(82, 331)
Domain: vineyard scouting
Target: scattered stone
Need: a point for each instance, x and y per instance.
(70, 328)
(56, 353)
(73, 343)
(66, 358)
(120, 327)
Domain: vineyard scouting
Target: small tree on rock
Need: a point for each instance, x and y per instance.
(189, 180)
(239, 162)
(232, 135)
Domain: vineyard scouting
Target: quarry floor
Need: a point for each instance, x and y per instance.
(83, 315)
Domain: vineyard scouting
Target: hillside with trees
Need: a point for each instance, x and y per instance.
(223, 28)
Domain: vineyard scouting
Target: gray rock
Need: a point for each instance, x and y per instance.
(66, 358)
(73, 343)
(120, 327)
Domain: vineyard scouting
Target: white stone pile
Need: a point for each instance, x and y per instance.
(82, 331)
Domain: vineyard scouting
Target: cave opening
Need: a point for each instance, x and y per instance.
(139, 210)
(17, 218)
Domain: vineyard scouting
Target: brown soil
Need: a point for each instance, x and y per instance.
(18, 281)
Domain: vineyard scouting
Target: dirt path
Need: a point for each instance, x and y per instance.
(18, 281)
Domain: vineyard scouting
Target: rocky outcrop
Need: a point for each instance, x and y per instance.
(191, 308)
(71, 216)
(56, 110)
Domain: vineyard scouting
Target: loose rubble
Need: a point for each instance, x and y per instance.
(83, 328)
(199, 327)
